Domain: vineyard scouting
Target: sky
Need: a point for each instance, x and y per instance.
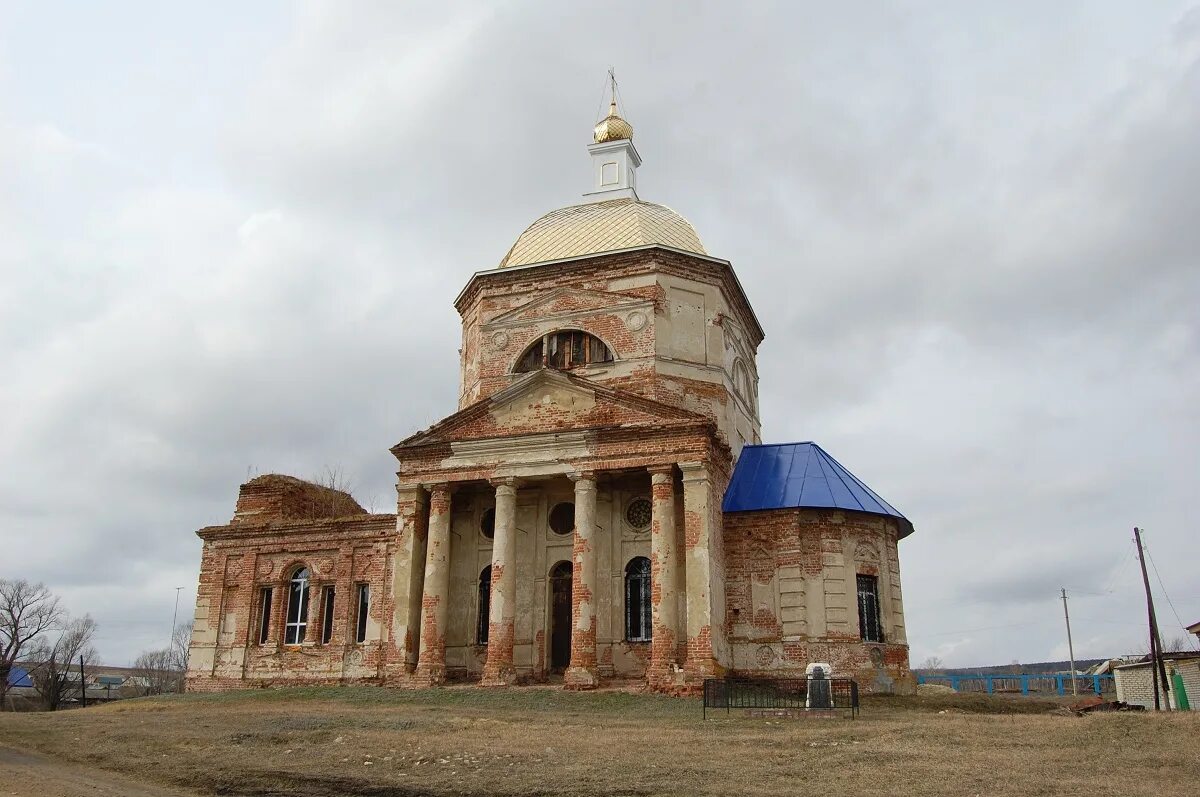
(231, 235)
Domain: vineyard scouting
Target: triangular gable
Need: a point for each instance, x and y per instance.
(566, 302)
(547, 400)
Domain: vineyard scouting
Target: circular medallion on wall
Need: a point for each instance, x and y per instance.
(265, 567)
(764, 656)
(325, 567)
(354, 657)
(638, 514)
(500, 340)
(876, 656)
(636, 320)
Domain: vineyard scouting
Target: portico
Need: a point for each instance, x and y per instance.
(525, 556)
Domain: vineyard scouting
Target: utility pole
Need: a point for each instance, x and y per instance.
(1157, 668)
(82, 684)
(1070, 646)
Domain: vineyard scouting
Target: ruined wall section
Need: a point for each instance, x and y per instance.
(275, 497)
(241, 559)
(790, 585)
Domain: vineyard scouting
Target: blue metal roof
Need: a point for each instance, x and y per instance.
(19, 676)
(795, 475)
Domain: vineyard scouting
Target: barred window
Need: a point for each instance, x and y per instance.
(297, 612)
(637, 600)
(364, 606)
(568, 348)
(870, 629)
(485, 606)
(327, 616)
(264, 615)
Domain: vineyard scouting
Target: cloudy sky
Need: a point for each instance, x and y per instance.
(230, 235)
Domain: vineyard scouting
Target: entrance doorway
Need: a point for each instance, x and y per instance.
(560, 617)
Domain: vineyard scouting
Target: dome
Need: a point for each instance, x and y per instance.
(601, 227)
(612, 127)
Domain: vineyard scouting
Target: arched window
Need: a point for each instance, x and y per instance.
(743, 384)
(567, 348)
(637, 600)
(485, 606)
(297, 611)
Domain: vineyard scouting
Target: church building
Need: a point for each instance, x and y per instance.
(600, 506)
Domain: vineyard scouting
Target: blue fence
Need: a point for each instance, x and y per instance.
(1025, 683)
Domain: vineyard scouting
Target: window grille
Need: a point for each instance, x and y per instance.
(869, 626)
(264, 616)
(639, 513)
(569, 348)
(637, 600)
(327, 616)
(482, 623)
(364, 606)
(297, 612)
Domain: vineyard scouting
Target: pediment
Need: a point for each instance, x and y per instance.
(567, 303)
(550, 401)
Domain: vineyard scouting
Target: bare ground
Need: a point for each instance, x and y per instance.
(537, 741)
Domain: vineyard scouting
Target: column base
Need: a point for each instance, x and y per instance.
(504, 675)
(581, 678)
(429, 675)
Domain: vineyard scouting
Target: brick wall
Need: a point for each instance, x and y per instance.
(245, 556)
(790, 585)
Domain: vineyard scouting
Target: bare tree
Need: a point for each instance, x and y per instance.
(931, 663)
(181, 643)
(162, 671)
(26, 611)
(53, 676)
(156, 671)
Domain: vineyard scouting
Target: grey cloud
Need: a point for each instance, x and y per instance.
(968, 233)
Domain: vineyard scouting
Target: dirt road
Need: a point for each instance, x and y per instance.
(31, 775)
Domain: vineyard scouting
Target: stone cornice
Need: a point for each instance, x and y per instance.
(721, 269)
(364, 526)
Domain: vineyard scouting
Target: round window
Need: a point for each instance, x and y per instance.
(639, 513)
(562, 518)
(487, 523)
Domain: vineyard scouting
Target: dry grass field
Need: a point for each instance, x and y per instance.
(540, 741)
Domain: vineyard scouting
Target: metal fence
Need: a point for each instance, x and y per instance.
(790, 695)
(1025, 683)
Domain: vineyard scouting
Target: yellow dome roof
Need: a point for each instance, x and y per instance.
(612, 127)
(601, 227)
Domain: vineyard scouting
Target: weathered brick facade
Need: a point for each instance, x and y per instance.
(567, 518)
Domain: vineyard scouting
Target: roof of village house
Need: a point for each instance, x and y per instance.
(801, 475)
(596, 227)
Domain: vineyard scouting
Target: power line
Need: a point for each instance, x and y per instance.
(1168, 597)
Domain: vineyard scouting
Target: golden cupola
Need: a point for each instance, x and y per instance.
(612, 127)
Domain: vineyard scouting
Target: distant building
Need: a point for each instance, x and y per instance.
(1135, 682)
(598, 506)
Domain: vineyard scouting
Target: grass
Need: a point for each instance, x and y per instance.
(540, 741)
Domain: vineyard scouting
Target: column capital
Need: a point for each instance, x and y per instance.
(582, 476)
(661, 473)
(507, 483)
(437, 488)
(411, 492)
(695, 471)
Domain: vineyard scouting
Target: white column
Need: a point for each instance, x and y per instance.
(582, 672)
(431, 663)
(664, 644)
(499, 669)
